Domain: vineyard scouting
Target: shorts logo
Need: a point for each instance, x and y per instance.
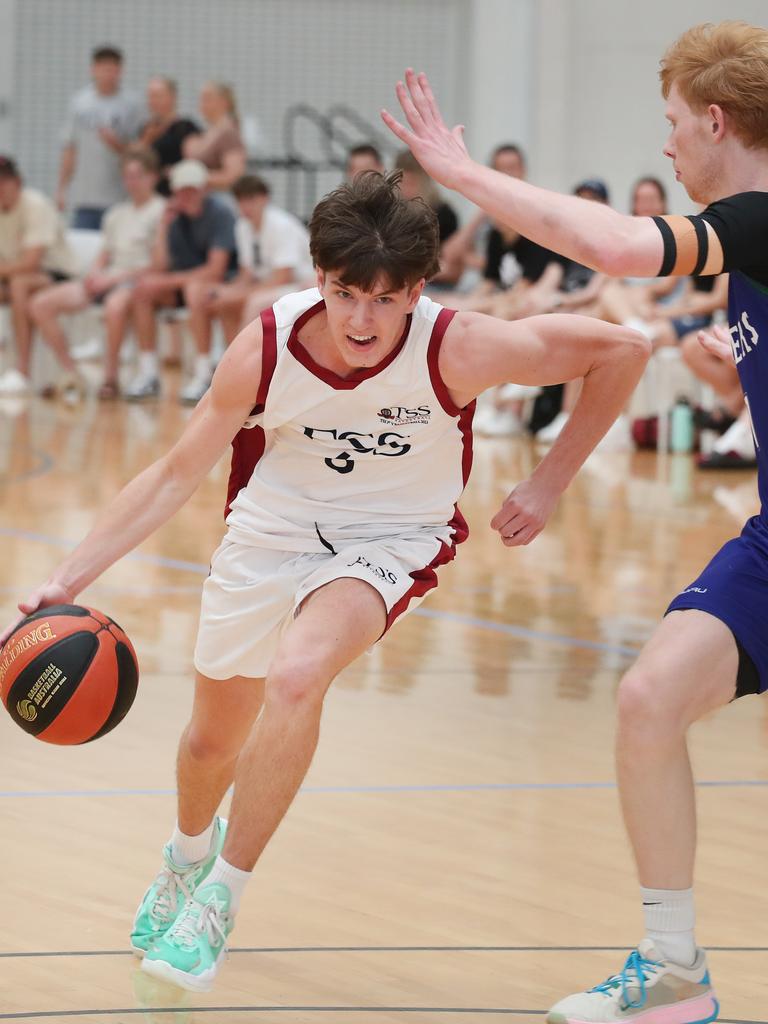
(399, 416)
(695, 590)
(386, 575)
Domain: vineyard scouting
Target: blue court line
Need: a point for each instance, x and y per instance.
(43, 466)
(476, 787)
(519, 632)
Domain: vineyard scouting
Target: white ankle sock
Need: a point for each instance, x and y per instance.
(148, 364)
(670, 917)
(190, 849)
(235, 880)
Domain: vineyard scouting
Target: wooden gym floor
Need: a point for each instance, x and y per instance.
(456, 852)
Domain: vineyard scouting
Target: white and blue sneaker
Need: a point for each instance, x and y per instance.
(648, 990)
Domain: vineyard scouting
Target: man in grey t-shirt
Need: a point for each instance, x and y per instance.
(102, 121)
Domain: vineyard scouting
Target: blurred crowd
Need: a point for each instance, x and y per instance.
(187, 235)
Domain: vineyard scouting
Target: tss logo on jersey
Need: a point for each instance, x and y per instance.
(399, 416)
(388, 443)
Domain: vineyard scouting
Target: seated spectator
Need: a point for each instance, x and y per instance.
(273, 257)
(220, 147)
(129, 231)
(165, 131)
(365, 157)
(102, 122)
(33, 254)
(194, 250)
(415, 183)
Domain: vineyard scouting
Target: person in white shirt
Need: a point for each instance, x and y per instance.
(273, 257)
(33, 253)
(129, 230)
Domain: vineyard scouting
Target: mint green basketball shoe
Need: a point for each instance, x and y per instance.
(165, 898)
(192, 950)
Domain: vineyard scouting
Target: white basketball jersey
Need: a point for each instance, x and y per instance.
(330, 459)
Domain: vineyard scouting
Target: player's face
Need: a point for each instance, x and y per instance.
(365, 326)
(691, 149)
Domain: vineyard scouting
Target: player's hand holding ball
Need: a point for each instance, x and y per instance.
(524, 514)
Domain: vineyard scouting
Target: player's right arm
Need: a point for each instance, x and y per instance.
(157, 493)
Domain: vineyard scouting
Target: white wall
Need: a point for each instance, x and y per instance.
(597, 110)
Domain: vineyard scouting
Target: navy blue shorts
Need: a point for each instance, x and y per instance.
(734, 588)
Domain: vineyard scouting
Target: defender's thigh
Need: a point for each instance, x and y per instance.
(689, 666)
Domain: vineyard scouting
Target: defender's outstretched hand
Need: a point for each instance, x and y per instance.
(524, 513)
(43, 597)
(439, 150)
(717, 342)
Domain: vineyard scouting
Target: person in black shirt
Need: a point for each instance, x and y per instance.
(165, 131)
(713, 644)
(415, 183)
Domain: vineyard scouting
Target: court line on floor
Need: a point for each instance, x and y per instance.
(377, 949)
(507, 628)
(44, 466)
(455, 1010)
(479, 787)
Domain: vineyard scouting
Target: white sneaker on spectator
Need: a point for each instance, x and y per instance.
(194, 390)
(492, 422)
(550, 433)
(14, 383)
(142, 387)
(618, 438)
(518, 392)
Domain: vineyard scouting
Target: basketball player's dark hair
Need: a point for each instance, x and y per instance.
(107, 53)
(249, 186)
(370, 235)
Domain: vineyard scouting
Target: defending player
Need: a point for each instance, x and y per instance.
(713, 644)
(358, 398)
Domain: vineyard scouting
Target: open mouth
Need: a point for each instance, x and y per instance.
(361, 341)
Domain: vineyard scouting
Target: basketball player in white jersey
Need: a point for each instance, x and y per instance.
(357, 399)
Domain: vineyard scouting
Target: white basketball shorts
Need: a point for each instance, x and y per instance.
(252, 594)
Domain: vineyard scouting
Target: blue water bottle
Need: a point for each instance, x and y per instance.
(681, 428)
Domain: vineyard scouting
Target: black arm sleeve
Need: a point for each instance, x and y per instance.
(741, 224)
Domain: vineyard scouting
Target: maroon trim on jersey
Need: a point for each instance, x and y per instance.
(248, 443)
(299, 353)
(439, 328)
(425, 579)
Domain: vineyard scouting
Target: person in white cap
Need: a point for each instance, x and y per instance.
(194, 250)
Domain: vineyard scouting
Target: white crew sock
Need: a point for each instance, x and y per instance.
(202, 366)
(190, 849)
(148, 364)
(235, 880)
(669, 920)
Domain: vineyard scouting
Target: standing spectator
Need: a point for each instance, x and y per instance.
(33, 254)
(194, 250)
(220, 147)
(365, 157)
(273, 257)
(102, 122)
(129, 230)
(165, 131)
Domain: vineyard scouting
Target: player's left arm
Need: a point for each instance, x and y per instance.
(480, 352)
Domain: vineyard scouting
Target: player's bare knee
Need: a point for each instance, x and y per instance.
(41, 307)
(296, 681)
(212, 743)
(645, 706)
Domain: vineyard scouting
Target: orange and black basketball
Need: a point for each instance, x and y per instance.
(68, 674)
